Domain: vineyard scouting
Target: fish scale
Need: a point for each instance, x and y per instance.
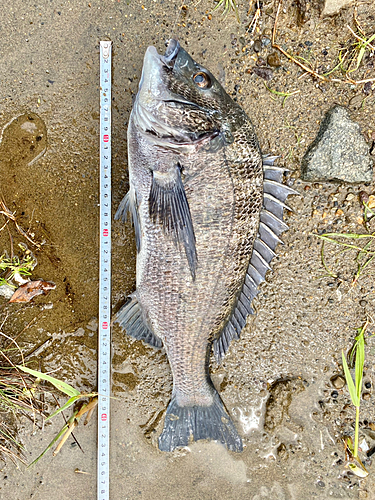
(207, 211)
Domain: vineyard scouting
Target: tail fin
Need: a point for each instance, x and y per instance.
(185, 423)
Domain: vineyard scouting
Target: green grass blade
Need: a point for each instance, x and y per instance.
(56, 438)
(62, 386)
(354, 236)
(359, 363)
(69, 403)
(349, 381)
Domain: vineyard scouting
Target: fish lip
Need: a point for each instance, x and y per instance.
(173, 47)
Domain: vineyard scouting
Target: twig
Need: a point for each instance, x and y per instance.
(21, 332)
(11, 216)
(360, 39)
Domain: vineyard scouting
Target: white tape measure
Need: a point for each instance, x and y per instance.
(104, 341)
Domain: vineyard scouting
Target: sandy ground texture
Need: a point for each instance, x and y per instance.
(276, 381)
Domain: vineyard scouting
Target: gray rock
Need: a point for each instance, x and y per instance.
(339, 152)
(6, 291)
(332, 7)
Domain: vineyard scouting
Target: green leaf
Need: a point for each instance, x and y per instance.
(359, 363)
(69, 403)
(62, 386)
(349, 381)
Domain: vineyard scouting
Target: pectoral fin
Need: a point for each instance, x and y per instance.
(169, 207)
(129, 205)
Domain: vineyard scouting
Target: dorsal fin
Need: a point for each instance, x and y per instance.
(271, 225)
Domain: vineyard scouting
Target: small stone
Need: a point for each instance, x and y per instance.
(321, 484)
(274, 60)
(368, 385)
(265, 73)
(371, 201)
(363, 303)
(339, 212)
(333, 7)
(350, 197)
(367, 88)
(338, 381)
(334, 394)
(339, 152)
(257, 46)
(267, 31)
(265, 41)
(363, 197)
(356, 101)
(261, 61)
(366, 396)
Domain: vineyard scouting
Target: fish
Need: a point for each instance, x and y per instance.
(207, 210)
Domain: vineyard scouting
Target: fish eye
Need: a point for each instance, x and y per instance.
(202, 80)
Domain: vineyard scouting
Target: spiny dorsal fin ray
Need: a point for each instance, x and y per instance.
(270, 220)
(129, 205)
(131, 318)
(169, 206)
(271, 225)
(278, 190)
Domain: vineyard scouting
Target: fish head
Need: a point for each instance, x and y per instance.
(181, 105)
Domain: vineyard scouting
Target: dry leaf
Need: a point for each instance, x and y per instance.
(31, 289)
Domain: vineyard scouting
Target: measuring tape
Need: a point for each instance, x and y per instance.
(104, 341)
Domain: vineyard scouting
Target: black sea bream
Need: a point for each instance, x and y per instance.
(207, 212)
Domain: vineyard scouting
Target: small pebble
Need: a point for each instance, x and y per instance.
(350, 197)
(363, 197)
(363, 303)
(265, 41)
(261, 61)
(338, 381)
(367, 88)
(265, 73)
(371, 201)
(368, 385)
(274, 60)
(321, 484)
(257, 46)
(334, 394)
(366, 396)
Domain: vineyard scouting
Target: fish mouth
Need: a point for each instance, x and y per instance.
(173, 47)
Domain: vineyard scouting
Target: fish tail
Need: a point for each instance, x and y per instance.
(184, 424)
